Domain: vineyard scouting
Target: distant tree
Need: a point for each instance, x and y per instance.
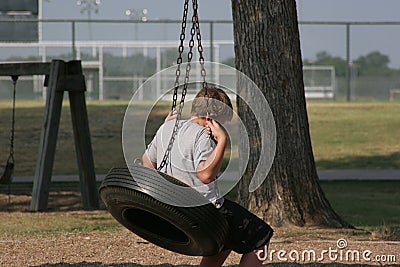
(323, 58)
(18, 58)
(373, 60)
(136, 64)
(168, 57)
(373, 64)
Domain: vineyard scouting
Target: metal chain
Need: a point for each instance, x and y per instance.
(199, 45)
(185, 84)
(180, 51)
(11, 157)
(194, 31)
(201, 57)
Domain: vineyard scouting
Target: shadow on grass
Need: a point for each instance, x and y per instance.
(283, 264)
(391, 161)
(59, 200)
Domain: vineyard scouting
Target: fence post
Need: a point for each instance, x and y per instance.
(73, 40)
(211, 48)
(348, 77)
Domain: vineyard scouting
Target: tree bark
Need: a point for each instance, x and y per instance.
(267, 49)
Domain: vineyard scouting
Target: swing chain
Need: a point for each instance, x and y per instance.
(11, 157)
(189, 60)
(200, 50)
(180, 51)
(199, 45)
(194, 31)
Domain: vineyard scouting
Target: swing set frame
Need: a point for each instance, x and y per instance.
(60, 77)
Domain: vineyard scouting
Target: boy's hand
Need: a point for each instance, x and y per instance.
(208, 169)
(171, 115)
(214, 128)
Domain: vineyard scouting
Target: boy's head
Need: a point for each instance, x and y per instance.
(219, 104)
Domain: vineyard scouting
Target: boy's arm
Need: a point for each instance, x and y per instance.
(171, 115)
(147, 162)
(208, 169)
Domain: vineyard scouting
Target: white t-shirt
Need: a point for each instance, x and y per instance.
(191, 146)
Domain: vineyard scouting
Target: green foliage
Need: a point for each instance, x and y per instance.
(30, 58)
(374, 64)
(325, 59)
(136, 64)
(168, 58)
(373, 60)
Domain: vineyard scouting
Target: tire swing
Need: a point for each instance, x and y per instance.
(194, 231)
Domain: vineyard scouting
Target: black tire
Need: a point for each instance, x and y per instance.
(195, 231)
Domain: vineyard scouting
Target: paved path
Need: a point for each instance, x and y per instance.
(323, 175)
(359, 175)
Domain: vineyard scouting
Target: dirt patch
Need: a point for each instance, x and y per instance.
(123, 248)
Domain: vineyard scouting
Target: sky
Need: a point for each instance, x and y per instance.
(364, 39)
(342, 10)
(349, 10)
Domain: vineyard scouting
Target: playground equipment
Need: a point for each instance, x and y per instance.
(128, 192)
(60, 77)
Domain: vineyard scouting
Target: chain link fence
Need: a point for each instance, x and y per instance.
(119, 55)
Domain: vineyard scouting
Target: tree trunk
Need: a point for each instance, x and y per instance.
(267, 48)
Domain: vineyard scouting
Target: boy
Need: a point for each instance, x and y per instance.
(196, 159)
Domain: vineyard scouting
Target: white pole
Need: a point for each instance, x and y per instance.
(36, 78)
(124, 51)
(101, 74)
(333, 78)
(158, 85)
(217, 59)
(40, 16)
(42, 52)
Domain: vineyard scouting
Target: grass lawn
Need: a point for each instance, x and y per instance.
(360, 135)
(344, 135)
(368, 205)
(55, 223)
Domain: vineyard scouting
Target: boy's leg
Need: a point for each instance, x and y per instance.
(250, 260)
(215, 261)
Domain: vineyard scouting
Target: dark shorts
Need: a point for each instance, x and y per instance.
(247, 232)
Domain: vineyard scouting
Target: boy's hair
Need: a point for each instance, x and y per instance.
(219, 104)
